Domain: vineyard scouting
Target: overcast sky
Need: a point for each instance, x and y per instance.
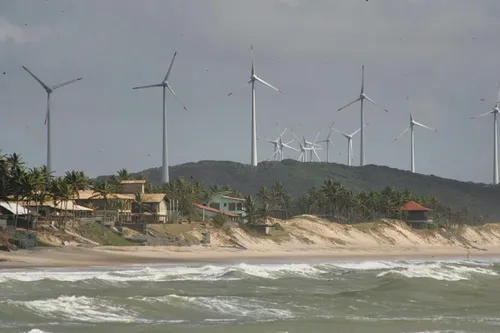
(443, 55)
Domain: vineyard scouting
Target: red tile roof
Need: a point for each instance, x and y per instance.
(213, 210)
(412, 206)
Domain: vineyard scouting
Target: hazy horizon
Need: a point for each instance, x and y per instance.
(436, 59)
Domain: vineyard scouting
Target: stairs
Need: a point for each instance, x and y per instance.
(81, 238)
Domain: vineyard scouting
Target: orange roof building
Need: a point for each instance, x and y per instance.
(412, 206)
(416, 215)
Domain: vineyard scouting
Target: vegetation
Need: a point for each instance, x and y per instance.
(298, 178)
(284, 189)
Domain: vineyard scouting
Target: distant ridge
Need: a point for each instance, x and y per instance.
(298, 177)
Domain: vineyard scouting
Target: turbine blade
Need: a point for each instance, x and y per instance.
(243, 87)
(342, 108)
(267, 84)
(282, 133)
(483, 114)
(498, 97)
(253, 59)
(290, 147)
(65, 83)
(170, 68)
(317, 156)
(373, 102)
(362, 78)
(296, 138)
(425, 126)
(316, 139)
(36, 78)
(338, 131)
(355, 132)
(149, 86)
(402, 133)
(289, 142)
(46, 116)
(177, 98)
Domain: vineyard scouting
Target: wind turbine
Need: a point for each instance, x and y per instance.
(413, 123)
(361, 98)
(349, 137)
(305, 148)
(49, 91)
(328, 142)
(494, 112)
(279, 145)
(164, 85)
(312, 146)
(253, 78)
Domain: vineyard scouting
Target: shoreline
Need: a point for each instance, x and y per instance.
(75, 257)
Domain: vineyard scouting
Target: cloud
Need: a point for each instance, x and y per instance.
(18, 34)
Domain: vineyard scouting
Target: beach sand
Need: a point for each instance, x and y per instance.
(71, 256)
(303, 237)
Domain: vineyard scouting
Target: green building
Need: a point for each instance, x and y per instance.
(226, 203)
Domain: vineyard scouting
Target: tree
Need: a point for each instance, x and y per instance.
(250, 208)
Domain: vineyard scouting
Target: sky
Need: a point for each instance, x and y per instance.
(437, 59)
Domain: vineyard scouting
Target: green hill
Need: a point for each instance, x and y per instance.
(298, 177)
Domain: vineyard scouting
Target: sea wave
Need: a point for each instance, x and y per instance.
(79, 308)
(438, 270)
(170, 273)
(225, 305)
(455, 270)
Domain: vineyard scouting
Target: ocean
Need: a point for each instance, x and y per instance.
(305, 296)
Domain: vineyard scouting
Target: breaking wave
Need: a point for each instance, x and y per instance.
(438, 270)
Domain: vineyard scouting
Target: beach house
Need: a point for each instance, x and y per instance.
(226, 203)
(416, 215)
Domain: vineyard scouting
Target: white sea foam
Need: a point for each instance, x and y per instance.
(169, 273)
(36, 330)
(226, 305)
(440, 270)
(79, 308)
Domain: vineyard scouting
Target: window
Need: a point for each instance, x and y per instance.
(239, 206)
(225, 204)
(232, 206)
(215, 205)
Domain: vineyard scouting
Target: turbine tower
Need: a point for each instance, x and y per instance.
(349, 137)
(328, 142)
(413, 123)
(49, 91)
(361, 98)
(165, 85)
(253, 78)
(494, 112)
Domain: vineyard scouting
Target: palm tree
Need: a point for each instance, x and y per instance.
(264, 212)
(264, 195)
(139, 201)
(77, 182)
(250, 208)
(103, 189)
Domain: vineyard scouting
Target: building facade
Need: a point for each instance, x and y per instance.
(227, 204)
(416, 215)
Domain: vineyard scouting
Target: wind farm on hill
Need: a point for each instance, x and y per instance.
(304, 150)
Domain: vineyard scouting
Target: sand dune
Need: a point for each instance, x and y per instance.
(302, 236)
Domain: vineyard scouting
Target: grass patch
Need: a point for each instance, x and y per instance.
(175, 230)
(102, 235)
